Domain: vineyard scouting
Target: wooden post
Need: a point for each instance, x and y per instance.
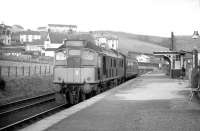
(16, 70)
(49, 69)
(35, 70)
(8, 71)
(29, 71)
(22, 70)
(45, 70)
(40, 70)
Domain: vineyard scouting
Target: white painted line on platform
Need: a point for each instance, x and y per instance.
(50, 121)
(154, 91)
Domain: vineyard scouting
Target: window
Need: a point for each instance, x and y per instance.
(177, 58)
(60, 58)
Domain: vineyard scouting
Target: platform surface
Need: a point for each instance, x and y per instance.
(151, 102)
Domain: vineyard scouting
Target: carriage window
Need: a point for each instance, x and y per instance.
(74, 52)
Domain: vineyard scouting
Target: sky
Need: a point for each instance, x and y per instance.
(148, 17)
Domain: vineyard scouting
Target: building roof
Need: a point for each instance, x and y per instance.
(57, 37)
(12, 49)
(29, 32)
(50, 49)
(35, 42)
(42, 28)
(60, 25)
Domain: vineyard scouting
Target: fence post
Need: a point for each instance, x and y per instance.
(22, 70)
(45, 70)
(29, 71)
(35, 70)
(8, 71)
(49, 70)
(40, 70)
(16, 71)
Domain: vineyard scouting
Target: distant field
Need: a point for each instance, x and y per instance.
(126, 44)
(180, 42)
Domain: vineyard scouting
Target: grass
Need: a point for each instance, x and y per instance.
(20, 88)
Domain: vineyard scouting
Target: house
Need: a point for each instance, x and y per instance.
(36, 47)
(29, 36)
(53, 41)
(113, 42)
(50, 52)
(5, 34)
(56, 35)
(106, 40)
(17, 28)
(26, 36)
(9, 50)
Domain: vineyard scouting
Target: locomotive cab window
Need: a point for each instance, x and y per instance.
(60, 58)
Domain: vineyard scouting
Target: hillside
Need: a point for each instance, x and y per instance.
(161, 41)
(149, 44)
(139, 43)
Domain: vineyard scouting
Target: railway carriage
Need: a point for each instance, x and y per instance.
(131, 68)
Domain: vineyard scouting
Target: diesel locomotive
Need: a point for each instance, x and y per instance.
(83, 69)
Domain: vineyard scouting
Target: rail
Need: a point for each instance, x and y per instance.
(26, 109)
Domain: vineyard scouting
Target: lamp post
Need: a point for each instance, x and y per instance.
(194, 51)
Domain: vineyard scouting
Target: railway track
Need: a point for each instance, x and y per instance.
(16, 113)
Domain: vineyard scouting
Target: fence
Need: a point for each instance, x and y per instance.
(24, 58)
(17, 71)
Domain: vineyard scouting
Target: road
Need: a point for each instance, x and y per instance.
(152, 102)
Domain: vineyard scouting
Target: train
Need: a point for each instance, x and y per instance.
(83, 69)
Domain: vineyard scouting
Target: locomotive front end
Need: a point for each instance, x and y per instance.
(75, 64)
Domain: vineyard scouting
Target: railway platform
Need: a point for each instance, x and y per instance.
(151, 102)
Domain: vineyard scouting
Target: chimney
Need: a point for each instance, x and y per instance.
(172, 41)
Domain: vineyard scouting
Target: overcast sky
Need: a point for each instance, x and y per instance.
(150, 17)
